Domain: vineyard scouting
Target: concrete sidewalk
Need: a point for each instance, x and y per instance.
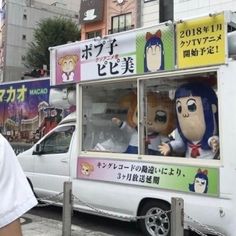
(34, 225)
(39, 226)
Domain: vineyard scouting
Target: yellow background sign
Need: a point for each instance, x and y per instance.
(201, 41)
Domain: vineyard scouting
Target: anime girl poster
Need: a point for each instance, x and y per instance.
(153, 52)
(155, 49)
(67, 64)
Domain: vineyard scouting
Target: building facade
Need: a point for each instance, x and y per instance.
(103, 17)
(150, 13)
(19, 19)
(72, 5)
(191, 8)
(121, 15)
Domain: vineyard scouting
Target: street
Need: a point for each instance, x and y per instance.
(46, 221)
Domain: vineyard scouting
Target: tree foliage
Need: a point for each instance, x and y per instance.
(50, 32)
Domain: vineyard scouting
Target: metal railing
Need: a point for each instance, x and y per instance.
(177, 213)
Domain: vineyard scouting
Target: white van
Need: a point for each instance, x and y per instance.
(54, 159)
(116, 173)
(48, 163)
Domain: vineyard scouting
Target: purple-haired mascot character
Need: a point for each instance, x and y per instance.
(153, 52)
(197, 122)
(200, 183)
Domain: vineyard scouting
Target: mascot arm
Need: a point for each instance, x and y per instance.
(164, 139)
(64, 77)
(164, 149)
(116, 121)
(176, 145)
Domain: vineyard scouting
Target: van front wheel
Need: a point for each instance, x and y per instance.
(157, 220)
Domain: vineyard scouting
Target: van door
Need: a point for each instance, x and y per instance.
(52, 160)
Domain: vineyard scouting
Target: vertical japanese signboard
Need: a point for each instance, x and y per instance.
(129, 53)
(174, 177)
(201, 42)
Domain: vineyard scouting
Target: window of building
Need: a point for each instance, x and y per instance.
(166, 10)
(24, 37)
(121, 23)
(93, 34)
(24, 16)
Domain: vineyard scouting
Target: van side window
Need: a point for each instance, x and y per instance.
(104, 112)
(58, 141)
(181, 116)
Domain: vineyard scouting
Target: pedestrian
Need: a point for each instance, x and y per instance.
(16, 196)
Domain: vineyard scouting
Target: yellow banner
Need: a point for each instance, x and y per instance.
(201, 42)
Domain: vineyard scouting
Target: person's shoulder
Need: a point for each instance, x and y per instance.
(4, 144)
(2, 147)
(2, 139)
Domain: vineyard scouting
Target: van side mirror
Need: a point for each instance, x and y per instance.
(38, 149)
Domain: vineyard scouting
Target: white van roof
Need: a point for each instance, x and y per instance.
(70, 118)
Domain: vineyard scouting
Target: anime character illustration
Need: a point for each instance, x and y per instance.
(68, 64)
(159, 123)
(200, 183)
(86, 168)
(153, 52)
(129, 101)
(160, 120)
(197, 122)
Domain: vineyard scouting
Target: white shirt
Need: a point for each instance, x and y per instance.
(16, 196)
(133, 132)
(178, 146)
(156, 141)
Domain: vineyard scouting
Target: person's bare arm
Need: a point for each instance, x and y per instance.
(12, 229)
